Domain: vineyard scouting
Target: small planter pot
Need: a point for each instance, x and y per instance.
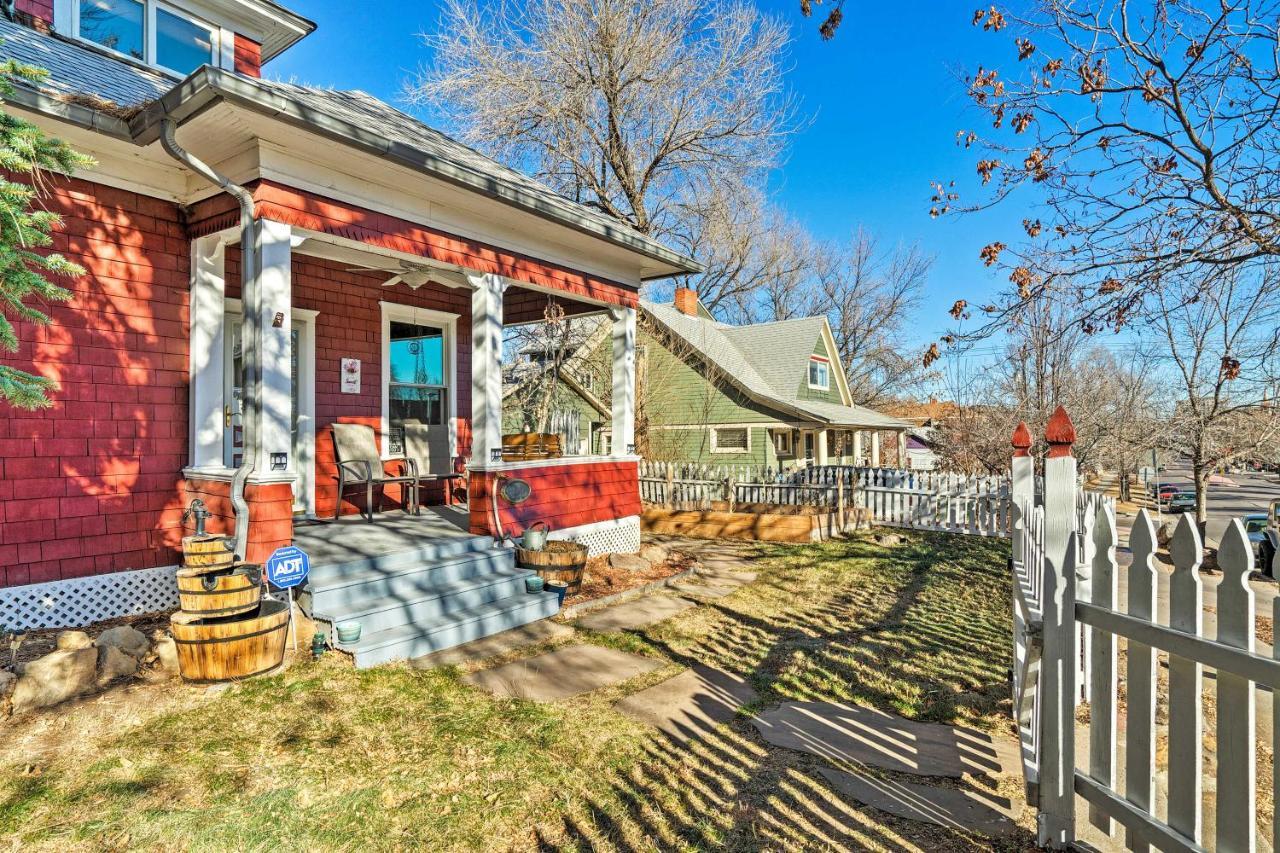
(560, 590)
(533, 583)
(348, 632)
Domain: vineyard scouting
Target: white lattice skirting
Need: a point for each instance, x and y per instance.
(618, 536)
(83, 601)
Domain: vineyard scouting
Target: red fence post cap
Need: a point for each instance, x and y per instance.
(1060, 433)
(1021, 440)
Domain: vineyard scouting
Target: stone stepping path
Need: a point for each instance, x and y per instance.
(839, 732)
(563, 673)
(495, 644)
(637, 613)
(692, 703)
(949, 807)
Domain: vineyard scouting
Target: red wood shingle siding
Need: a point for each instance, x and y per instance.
(562, 495)
(248, 56)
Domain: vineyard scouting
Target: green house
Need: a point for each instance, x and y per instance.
(769, 394)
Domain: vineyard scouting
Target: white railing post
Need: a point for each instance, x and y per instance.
(1058, 665)
(1237, 717)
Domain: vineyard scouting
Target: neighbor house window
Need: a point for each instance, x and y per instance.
(150, 31)
(730, 440)
(782, 442)
(819, 373)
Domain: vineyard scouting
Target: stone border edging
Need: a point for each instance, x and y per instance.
(583, 607)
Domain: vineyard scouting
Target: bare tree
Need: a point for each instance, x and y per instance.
(636, 109)
(1149, 132)
(1223, 339)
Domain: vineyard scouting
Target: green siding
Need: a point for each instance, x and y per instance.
(517, 418)
(832, 394)
(694, 445)
(677, 392)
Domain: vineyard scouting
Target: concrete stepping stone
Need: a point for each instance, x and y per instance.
(562, 673)
(637, 613)
(496, 644)
(691, 704)
(839, 732)
(949, 807)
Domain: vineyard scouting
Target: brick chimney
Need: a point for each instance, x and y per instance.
(687, 301)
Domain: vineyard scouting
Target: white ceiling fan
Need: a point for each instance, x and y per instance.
(414, 275)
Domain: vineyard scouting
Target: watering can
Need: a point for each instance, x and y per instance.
(534, 537)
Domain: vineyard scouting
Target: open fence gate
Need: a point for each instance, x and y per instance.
(1067, 627)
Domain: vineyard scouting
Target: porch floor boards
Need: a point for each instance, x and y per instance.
(350, 538)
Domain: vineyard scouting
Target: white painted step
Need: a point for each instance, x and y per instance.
(444, 632)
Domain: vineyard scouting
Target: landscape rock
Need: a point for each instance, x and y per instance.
(653, 552)
(1165, 533)
(888, 539)
(73, 640)
(167, 654)
(58, 676)
(114, 664)
(7, 682)
(128, 640)
(629, 562)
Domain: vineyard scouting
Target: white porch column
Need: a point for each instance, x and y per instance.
(624, 381)
(823, 456)
(208, 310)
(275, 350)
(857, 447)
(486, 367)
(875, 448)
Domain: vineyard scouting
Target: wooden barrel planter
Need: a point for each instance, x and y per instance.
(207, 553)
(558, 562)
(227, 592)
(226, 648)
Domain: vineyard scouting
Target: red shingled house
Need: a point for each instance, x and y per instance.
(186, 372)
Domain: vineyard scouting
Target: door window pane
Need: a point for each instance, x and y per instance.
(182, 44)
(116, 24)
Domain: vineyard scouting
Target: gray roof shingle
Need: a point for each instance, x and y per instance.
(768, 360)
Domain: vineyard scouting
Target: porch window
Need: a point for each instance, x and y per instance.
(416, 388)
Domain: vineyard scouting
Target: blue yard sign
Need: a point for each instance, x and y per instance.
(287, 567)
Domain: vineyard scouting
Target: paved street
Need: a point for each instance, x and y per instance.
(1251, 493)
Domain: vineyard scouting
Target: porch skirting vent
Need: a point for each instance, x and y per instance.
(78, 602)
(618, 536)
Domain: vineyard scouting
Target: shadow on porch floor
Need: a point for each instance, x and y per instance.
(327, 541)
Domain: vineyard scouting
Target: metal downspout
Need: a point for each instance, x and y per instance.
(250, 295)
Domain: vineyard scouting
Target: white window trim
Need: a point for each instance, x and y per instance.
(817, 359)
(394, 311)
(66, 15)
(788, 439)
(715, 445)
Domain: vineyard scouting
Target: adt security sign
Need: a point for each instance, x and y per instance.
(287, 567)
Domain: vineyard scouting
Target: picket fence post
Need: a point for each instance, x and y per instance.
(1058, 666)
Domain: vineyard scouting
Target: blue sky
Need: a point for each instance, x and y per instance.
(883, 99)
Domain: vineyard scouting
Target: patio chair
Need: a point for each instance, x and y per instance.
(359, 463)
(429, 452)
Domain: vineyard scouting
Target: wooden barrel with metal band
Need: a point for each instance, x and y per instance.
(228, 648)
(221, 593)
(207, 553)
(557, 562)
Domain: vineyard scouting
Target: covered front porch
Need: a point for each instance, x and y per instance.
(382, 329)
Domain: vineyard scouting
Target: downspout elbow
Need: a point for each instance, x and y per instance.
(251, 381)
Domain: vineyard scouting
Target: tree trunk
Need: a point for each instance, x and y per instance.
(1201, 479)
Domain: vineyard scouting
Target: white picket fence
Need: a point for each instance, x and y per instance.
(926, 500)
(1068, 626)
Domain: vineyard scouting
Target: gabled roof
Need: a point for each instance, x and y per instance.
(128, 100)
(767, 361)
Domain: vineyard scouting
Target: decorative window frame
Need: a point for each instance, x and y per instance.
(400, 313)
(66, 17)
(826, 364)
(715, 440)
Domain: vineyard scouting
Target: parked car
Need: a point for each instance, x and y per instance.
(1164, 491)
(1263, 530)
(1182, 502)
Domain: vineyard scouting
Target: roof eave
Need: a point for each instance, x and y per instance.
(80, 115)
(197, 92)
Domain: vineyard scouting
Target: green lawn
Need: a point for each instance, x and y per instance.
(323, 757)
